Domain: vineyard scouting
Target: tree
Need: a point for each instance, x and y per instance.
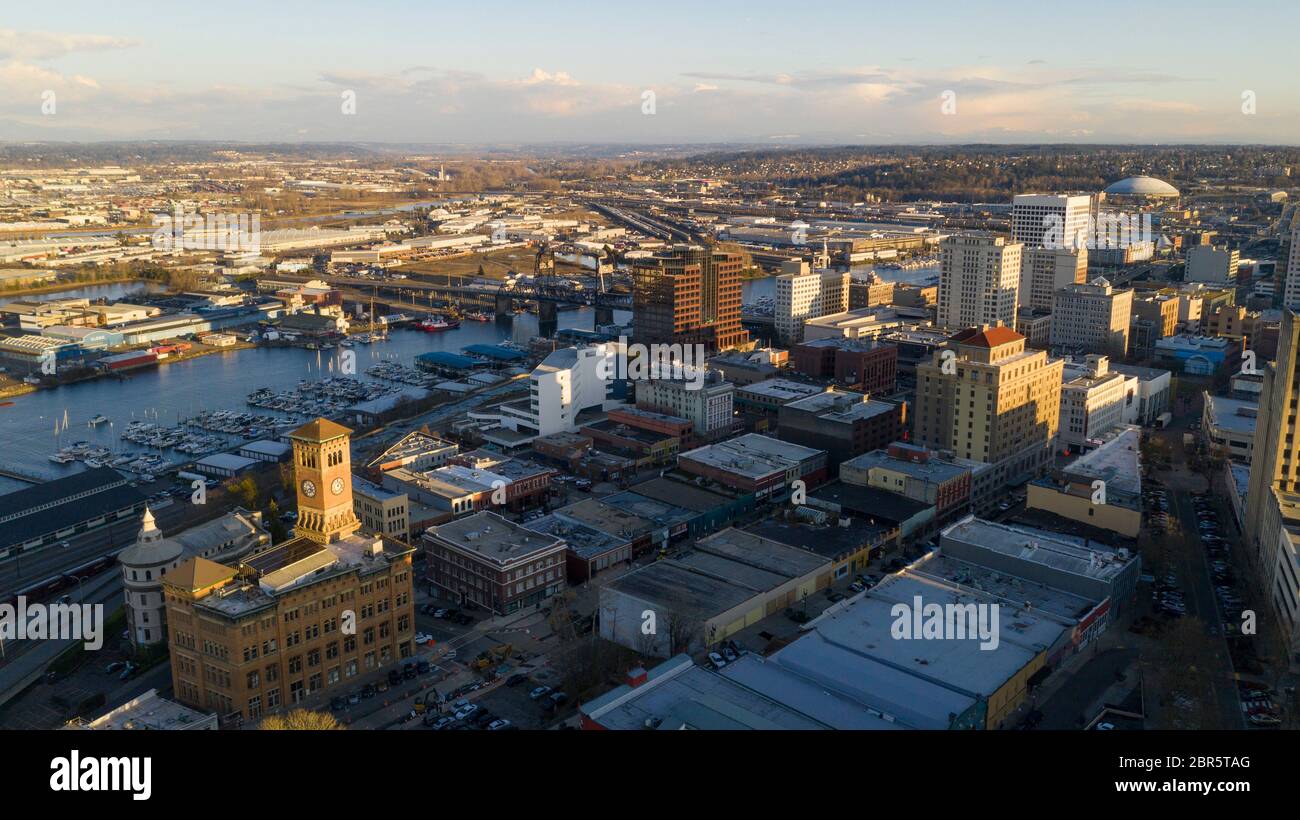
(300, 720)
(244, 491)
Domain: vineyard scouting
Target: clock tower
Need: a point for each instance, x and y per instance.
(322, 470)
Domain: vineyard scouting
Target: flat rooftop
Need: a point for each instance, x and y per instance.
(1116, 462)
(782, 390)
(827, 541)
(1232, 415)
(492, 537)
(582, 540)
(1063, 553)
(932, 470)
(149, 712)
(677, 694)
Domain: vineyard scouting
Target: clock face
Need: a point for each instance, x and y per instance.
(309, 489)
(337, 486)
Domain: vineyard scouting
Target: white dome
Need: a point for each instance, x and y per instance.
(1142, 186)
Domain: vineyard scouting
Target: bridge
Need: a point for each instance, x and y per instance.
(549, 291)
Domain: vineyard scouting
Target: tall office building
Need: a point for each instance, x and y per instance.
(1052, 220)
(1291, 258)
(1092, 318)
(985, 397)
(802, 293)
(1044, 271)
(1273, 490)
(306, 616)
(689, 295)
(978, 281)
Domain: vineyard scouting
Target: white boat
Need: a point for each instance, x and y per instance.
(98, 419)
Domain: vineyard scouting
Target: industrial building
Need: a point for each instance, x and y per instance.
(47, 513)
(729, 581)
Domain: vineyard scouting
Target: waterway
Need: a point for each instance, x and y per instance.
(171, 393)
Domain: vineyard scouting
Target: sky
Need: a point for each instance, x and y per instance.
(663, 72)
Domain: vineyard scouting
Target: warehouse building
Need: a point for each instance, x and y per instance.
(729, 581)
(45, 514)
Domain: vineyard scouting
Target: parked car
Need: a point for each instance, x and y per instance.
(436, 722)
(498, 725)
(394, 677)
(717, 660)
(516, 679)
(466, 712)
(539, 692)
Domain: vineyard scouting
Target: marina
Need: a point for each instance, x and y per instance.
(179, 398)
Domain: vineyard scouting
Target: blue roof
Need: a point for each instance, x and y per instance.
(444, 359)
(507, 354)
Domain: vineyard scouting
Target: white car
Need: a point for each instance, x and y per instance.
(716, 660)
(1105, 727)
(539, 693)
(466, 712)
(498, 725)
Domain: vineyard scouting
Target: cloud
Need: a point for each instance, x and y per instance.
(46, 45)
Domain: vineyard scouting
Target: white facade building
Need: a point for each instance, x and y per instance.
(1094, 401)
(802, 293)
(566, 383)
(979, 281)
(1057, 220)
(1093, 318)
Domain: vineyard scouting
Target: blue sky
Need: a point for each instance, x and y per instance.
(768, 72)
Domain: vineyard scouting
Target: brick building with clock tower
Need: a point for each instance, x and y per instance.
(314, 615)
(322, 464)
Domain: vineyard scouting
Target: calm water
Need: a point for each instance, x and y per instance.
(117, 292)
(170, 393)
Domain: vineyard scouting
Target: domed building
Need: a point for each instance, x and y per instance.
(143, 566)
(152, 556)
(1142, 187)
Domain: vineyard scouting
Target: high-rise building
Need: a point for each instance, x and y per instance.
(1206, 263)
(1052, 220)
(802, 293)
(305, 616)
(1273, 491)
(979, 280)
(1092, 318)
(1044, 271)
(689, 295)
(1291, 293)
(985, 397)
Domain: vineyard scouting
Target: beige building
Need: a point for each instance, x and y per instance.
(1101, 489)
(1093, 402)
(304, 617)
(1160, 309)
(230, 537)
(802, 294)
(1044, 271)
(381, 510)
(979, 280)
(1092, 318)
(985, 397)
